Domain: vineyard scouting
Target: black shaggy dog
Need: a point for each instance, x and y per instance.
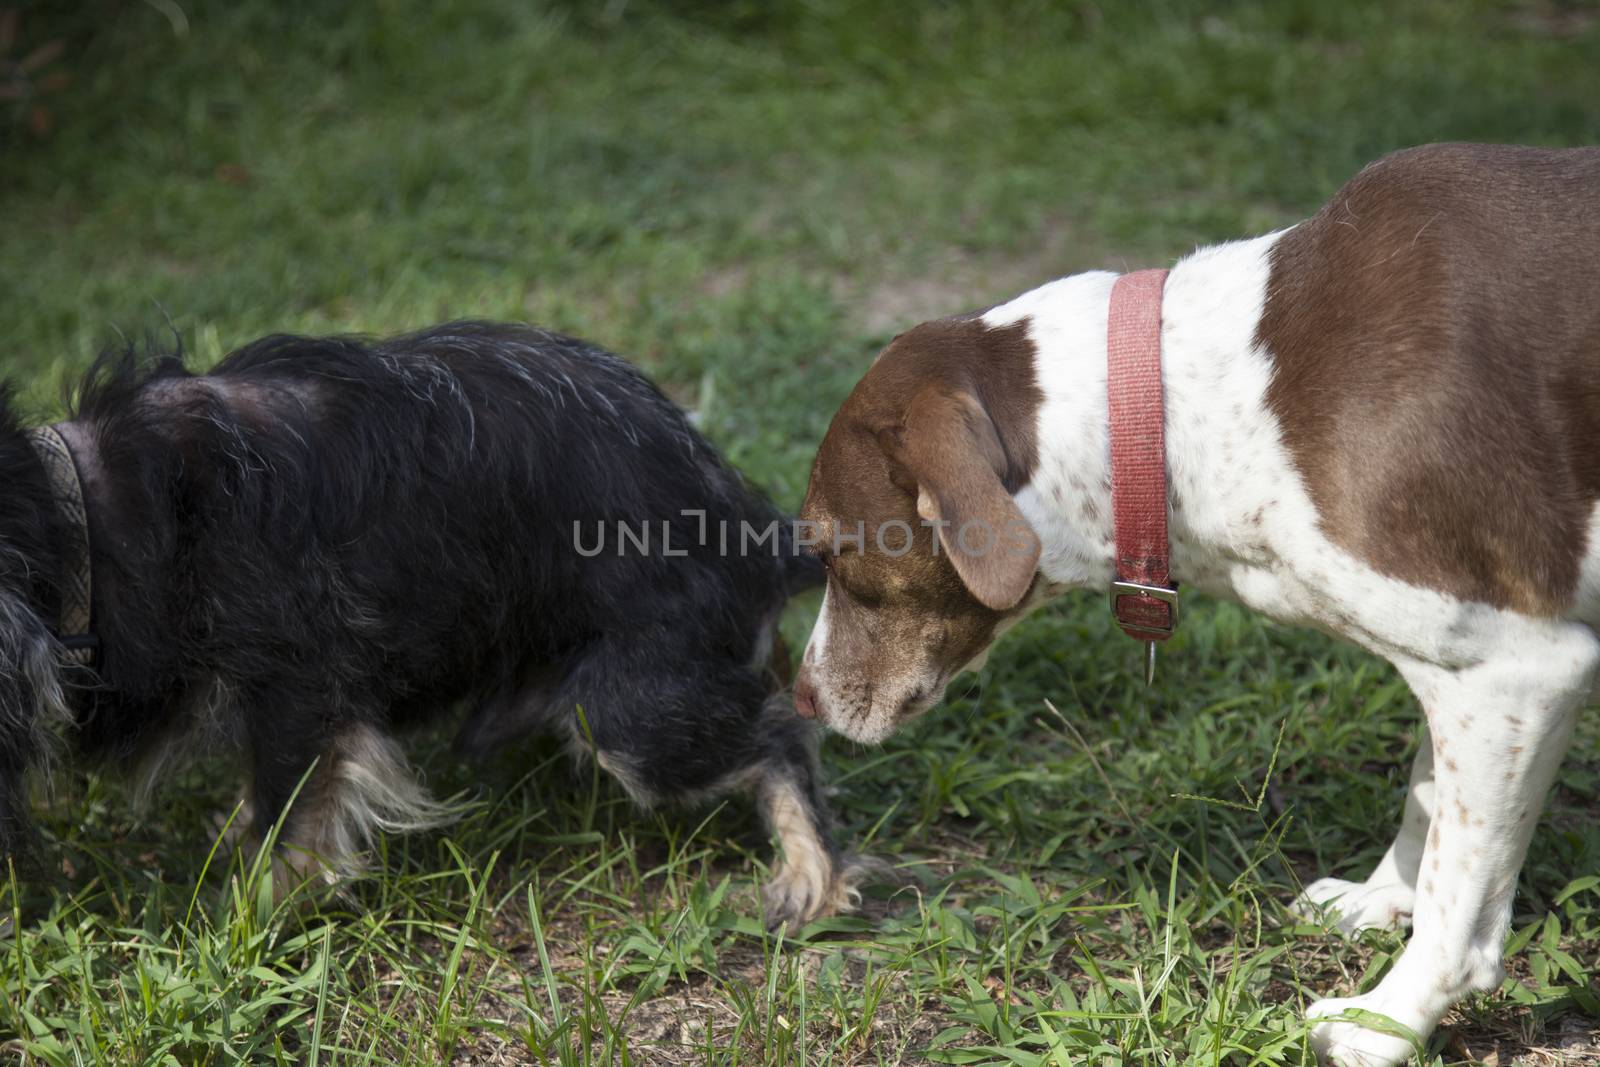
(323, 541)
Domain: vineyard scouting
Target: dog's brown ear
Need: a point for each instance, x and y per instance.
(950, 449)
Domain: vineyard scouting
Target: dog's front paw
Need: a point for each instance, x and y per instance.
(1347, 1043)
(801, 892)
(1353, 906)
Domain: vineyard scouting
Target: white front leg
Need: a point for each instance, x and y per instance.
(1386, 898)
(1499, 731)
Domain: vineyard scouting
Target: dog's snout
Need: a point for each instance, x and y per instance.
(805, 696)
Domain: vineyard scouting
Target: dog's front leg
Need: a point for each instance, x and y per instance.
(1386, 898)
(1499, 731)
(814, 878)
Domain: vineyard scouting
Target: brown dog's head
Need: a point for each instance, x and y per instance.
(910, 505)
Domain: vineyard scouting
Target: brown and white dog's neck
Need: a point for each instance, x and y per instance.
(1210, 312)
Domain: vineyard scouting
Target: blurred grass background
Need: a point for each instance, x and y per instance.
(709, 188)
(748, 199)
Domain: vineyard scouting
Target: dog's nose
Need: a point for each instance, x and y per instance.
(805, 696)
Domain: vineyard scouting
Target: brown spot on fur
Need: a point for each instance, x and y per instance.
(1446, 287)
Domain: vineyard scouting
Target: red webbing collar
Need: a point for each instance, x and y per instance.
(1144, 598)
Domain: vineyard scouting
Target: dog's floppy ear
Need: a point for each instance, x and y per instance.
(949, 447)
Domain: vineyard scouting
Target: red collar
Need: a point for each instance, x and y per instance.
(1144, 598)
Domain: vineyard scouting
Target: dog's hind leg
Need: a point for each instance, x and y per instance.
(333, 802)
(1500, 728)
(1386, 898)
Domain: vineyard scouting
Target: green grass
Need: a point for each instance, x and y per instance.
(748, 199)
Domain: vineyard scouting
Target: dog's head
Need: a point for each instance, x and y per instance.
(910, 506)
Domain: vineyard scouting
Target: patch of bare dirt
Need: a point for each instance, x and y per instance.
(1559, 20)
(888, 297)
(1570, 1042)
(957, 282)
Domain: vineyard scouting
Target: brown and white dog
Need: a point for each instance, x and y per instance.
(1383, 422)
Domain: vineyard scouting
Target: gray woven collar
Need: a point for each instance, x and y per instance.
(73, 628)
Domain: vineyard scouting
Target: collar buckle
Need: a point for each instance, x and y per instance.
(1167, 595)
(1147, 613)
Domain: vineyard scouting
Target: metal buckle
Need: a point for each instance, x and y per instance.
(1169, 597)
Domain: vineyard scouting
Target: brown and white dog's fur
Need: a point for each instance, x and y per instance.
(1383, 422)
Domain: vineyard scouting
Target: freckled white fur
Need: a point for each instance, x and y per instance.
(1500, 689)
(868, 718)
(1385, 900)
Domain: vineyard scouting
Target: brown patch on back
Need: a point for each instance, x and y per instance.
(1435, 332)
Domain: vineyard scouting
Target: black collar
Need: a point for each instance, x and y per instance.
(66, 487)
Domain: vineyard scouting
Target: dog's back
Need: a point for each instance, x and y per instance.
(420, 492)
(1435, 326)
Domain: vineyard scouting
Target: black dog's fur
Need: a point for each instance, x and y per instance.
(325, 540)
